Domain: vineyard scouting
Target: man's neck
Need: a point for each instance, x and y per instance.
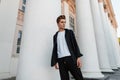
(60, 30)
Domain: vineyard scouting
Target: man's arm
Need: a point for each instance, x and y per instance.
(76, 50)
(54, 53)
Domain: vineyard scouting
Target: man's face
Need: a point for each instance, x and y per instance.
(61, 24)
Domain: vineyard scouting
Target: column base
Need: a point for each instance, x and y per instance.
(118, 66)
(114, 67)
(93, 75)
(107, 70)
(4, 75)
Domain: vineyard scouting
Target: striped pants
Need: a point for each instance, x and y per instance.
(67, 64)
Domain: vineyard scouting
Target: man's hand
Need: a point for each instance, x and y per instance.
(79, 63)
(56, 66)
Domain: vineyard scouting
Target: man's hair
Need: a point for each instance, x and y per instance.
(60, 17)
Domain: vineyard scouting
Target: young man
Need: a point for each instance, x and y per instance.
(66, 54)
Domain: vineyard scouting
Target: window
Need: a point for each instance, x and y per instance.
(23, 5)
(19, 41)
(24, 1)
(71, 20)
(23, 8)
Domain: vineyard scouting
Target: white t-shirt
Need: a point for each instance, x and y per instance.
(62, 48)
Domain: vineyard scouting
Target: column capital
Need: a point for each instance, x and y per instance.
(100, 0)
(105, 7)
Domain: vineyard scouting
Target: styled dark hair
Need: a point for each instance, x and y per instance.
(60, 17)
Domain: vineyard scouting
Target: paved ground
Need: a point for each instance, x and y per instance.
(115, 75)
(108, 76)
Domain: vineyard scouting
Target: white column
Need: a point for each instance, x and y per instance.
(36, 49)
(115, 43)
(100, 38)
(86, 40)
(107, 37)
(8, 17)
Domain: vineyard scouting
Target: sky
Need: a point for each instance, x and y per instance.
(116, 8)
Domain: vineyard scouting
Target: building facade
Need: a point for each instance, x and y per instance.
(27, 34)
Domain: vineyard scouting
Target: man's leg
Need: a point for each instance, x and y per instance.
(63, 70)
(74, 70)
(76, 74)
